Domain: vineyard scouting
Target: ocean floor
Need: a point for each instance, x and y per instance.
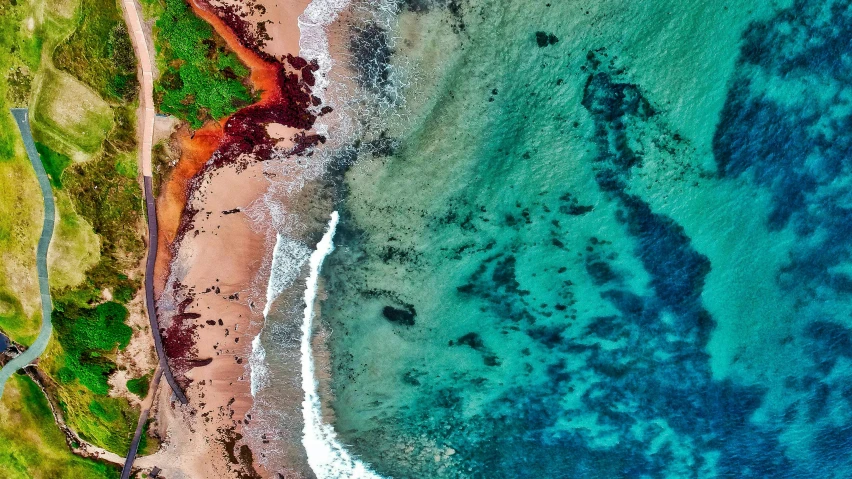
(601, 239)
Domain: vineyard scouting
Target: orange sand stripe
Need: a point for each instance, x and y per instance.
(197, 149)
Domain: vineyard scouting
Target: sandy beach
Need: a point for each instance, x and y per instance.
(211, 284)
(213, 263)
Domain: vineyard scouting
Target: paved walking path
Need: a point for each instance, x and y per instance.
(133, 18)
(41, 341)
(140, 426)
(149, 289)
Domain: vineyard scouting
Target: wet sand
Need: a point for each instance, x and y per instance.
(210, 275)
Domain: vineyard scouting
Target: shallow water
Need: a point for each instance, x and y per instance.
(599, 240)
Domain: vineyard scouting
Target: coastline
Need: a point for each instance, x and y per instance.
(216, 244)
(213, 275)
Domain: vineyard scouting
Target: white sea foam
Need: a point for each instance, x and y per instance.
(287, 259)
(314, 45)
(313, 39)
(258, 371)
(327, 457)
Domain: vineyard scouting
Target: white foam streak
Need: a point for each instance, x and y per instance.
(326, 456)
(287, 260)
(258, 371)
(313, 39)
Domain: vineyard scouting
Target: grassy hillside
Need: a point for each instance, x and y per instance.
(72, 63)
(32, 444)
(20, 198)
(100, 52)
(95, 64)
(78, 77)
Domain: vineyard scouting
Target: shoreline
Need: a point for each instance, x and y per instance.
(216, 250)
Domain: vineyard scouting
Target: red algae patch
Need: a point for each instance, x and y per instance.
(242, 138)
(285, 99)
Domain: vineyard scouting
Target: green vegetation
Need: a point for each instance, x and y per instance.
(147, 443)
(81, 359)
(112, 203)
(54, 164)
(20, 226)
(201, 78)
(19, 84)
(75, 247)
(99, 52)
(16, 324)
(83, 116)
(87, 330)
(20, 198)
(126, 166)
(70, 117)
(108, 422)
(89, 336)
(33, 446)
(139, 386)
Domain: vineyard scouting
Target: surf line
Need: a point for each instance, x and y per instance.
(327, 457)
(288, 257)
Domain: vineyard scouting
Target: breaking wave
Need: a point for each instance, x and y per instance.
(287, 259)
(327, 457)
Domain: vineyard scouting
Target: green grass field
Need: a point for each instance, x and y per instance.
(70, 117)
(20, 198)
(20, 225)
(75, 247)
(32, 444)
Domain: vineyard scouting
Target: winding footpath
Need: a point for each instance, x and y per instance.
(133, 18)
(41, 341)
(140, 43)
(140, 426)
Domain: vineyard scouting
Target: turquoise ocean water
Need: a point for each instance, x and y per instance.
(597, 239)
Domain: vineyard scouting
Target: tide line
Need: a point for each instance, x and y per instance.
(327, 457)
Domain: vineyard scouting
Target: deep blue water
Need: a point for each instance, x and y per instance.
(623, 251)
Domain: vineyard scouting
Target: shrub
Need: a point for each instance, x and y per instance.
(139, 386)
(87, 336)
(54, 164)
(100, 53)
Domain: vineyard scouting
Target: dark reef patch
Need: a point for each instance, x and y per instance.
(500, 289)
(571, 206)
(404, 317)
(600, 271)
(474, 341)
(798, 149)
(371, 52)
(544, 39)
(471, 340)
